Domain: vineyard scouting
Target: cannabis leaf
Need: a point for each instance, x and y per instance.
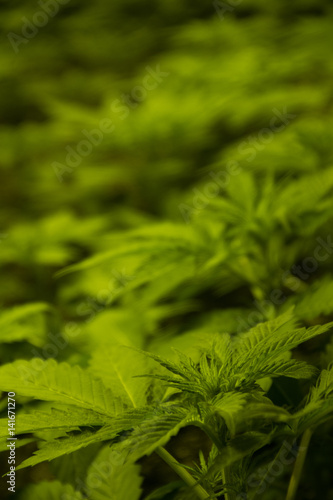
(62, 383)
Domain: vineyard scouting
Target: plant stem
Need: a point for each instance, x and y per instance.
(297, 472)
(182, 473)
(226, 480)
(263, 478)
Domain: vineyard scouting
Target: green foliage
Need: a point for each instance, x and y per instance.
(18, 323)
(121, 483)
(53, 490)
(175, 286)
(62, 383)
(219, 394)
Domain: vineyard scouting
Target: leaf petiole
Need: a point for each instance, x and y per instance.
(182, 473)
(297, 472)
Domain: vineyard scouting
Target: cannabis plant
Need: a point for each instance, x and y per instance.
(118, 402)
(166, 250)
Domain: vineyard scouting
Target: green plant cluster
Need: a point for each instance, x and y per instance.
(172, 285)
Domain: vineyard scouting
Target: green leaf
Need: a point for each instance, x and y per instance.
(161, 239)
(238, 448)
(290, 368)
(121, 482)
(257, 351)
(62, 383)
(319, 404)
(228, 406)
(19, 313)
(70, 419)
(72, 469)
(62, 446)
(155, 432)
(317, 300)
(263, 335)
(117, 366)
(19, 323)
(52, 490)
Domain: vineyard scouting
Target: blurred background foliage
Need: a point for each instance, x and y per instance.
(226, 73)
(158, 269)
